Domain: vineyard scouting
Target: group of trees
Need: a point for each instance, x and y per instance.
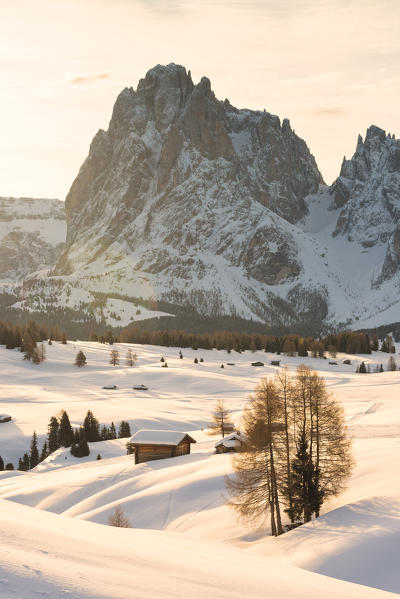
(367, 369)
(13, 336)
(61, 434)
(130, 360)
(296, 454)
(8, 466)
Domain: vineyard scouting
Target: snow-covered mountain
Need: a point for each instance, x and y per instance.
(32, 233)
(189, 200)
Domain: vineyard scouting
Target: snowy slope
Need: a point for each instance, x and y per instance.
(354, 538)
(49, 555)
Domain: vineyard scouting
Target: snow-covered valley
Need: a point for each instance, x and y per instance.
(185, 539)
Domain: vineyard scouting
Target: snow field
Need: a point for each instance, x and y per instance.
(355, 539)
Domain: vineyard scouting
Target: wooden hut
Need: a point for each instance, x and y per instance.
(157, 445)
(5, 418)
(275, 362)
(228, 444)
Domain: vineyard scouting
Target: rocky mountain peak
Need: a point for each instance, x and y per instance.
(180, 175)
(368, 193)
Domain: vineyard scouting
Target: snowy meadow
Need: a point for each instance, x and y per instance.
(55, 538)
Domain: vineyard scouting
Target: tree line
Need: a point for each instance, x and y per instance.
(26, 338)
(296, 454)
(347, 342)
(61, 434)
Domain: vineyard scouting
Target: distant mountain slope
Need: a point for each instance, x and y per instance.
(32, 233)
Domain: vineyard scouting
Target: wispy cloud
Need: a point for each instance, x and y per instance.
(89, 78)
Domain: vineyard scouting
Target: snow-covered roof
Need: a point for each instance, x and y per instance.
(233, 440)
(4, 416)
(154, 437)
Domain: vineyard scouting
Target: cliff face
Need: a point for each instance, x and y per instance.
(368, 191)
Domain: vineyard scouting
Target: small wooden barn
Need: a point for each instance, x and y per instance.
(228, 444)
(257, 363)
(5, 418)
(275, 362)
(150, 445)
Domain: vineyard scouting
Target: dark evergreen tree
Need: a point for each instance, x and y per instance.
(65, 432)
(34, 451)
(196, 361)
(26, 462)
(302, 483)
(44, 452)
(112, 432)
(381, 368)
(362, 369)
(1, 464)
(98, 457)
(52, 435)
(83, 448)
(201, 360)
(124, 430)
(80, 359)
(104, 435)
(20, 465)
(9, 466)
(162, 359)
(222, 366)
(91, 427)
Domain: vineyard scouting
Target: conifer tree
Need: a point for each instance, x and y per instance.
(104, 434)
(112, 431)
(362, 369)
(124, 430)
(52, 435)
(9, 466)
(392, 364)
(20, 465)
(1, 464)
(91, 427)
(98, 457)
(65, 432)
(34, 452)
(80, 359)
(44, 453)
(26, 462)
(196, 361)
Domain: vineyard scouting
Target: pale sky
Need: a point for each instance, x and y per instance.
(331, 66)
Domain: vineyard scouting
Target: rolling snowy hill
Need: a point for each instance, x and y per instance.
(183, 498)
